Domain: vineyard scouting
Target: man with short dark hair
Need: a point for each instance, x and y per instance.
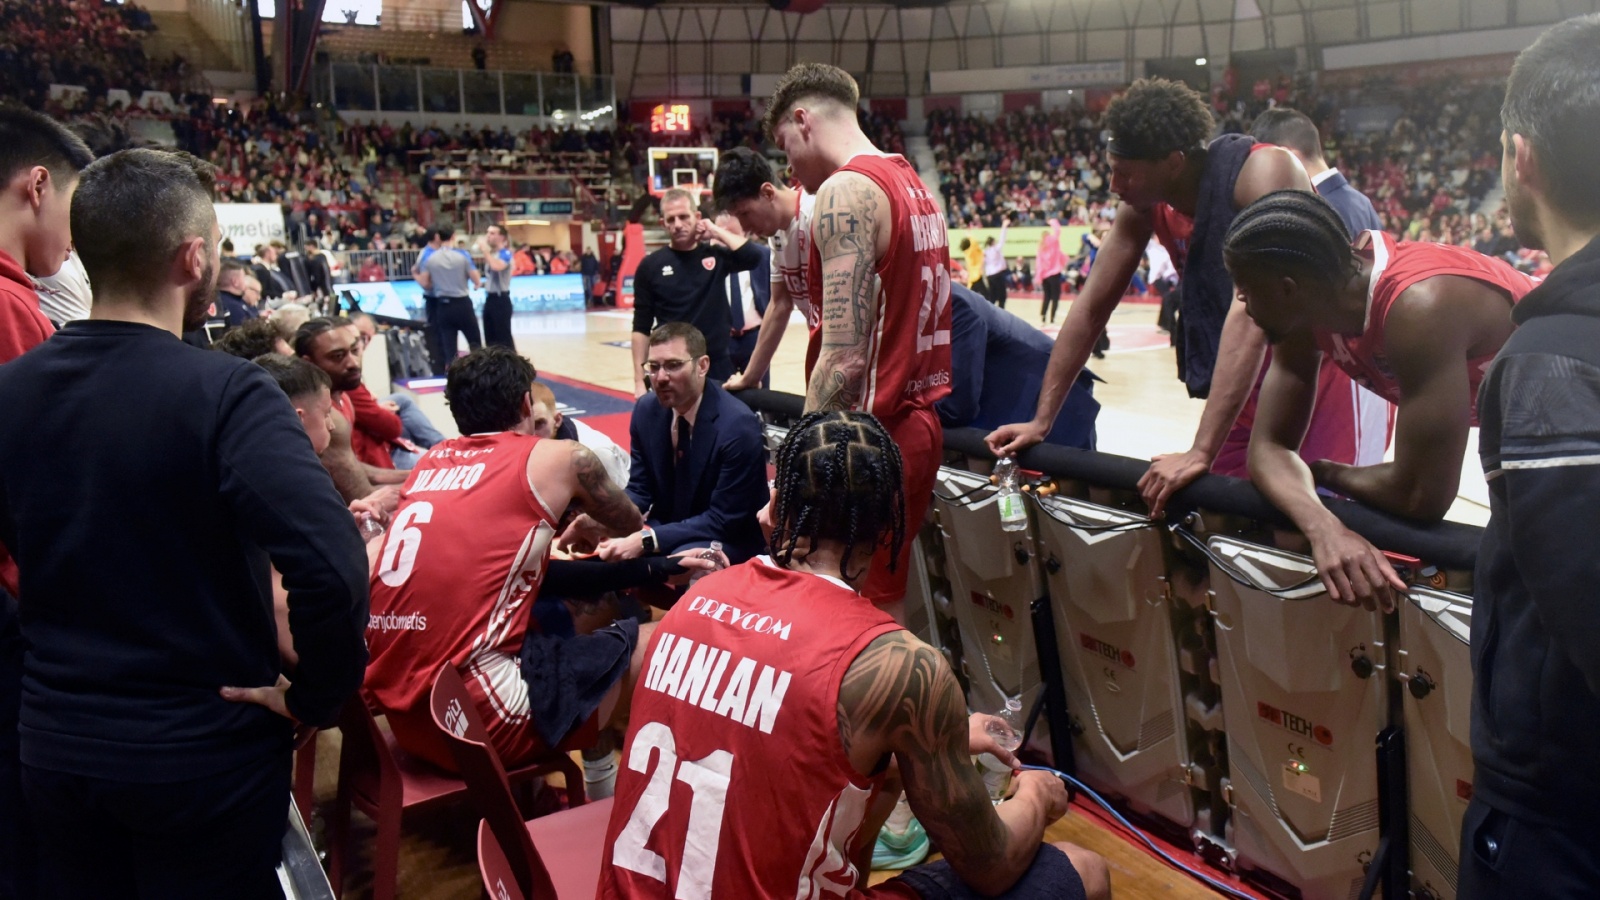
(497, 285)
(1535, 640)
(699, 459)
(766, 207)
(684, 282)
(444, 274)
(157, 727)
(254, 338)
(1177, 185)
(39, 165)
(464, 561)
(231, 304)
(335, 346)
(1294, 131)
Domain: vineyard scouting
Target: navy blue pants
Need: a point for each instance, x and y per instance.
(1502, 856)
(220, 836)
(740, 349)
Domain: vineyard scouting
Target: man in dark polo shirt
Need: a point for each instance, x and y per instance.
(148, 489)
(684, 282)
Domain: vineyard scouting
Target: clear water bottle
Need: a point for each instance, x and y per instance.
(1013, 517)
(708, 553)
(371, 528)
(1006, 729)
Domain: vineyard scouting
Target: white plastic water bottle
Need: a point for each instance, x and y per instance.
(1013, 517)
(1006, 729)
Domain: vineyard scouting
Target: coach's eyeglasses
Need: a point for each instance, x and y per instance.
(670, 366)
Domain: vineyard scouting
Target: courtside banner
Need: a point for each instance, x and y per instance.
(249, 224)
(529, 294)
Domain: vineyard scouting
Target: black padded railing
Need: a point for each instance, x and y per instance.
(1449, 545)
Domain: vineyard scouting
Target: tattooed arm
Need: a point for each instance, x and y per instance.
(566, 472)
(899, 697)
(851, 230)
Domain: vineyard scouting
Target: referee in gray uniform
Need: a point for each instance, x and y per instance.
(497, 283)
(445, 274)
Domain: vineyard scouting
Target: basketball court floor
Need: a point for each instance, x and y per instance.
(1144, 408)
(587, 360)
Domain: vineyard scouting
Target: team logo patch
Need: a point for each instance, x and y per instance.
(666, 270)
(709, 262)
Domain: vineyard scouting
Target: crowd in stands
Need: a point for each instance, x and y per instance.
(87, 43)
(1426, 175)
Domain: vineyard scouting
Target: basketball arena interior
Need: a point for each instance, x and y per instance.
(1259, 678)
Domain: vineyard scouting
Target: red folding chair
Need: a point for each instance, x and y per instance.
(383, 781)
(512, 850)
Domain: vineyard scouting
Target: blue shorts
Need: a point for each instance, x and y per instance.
(1051, 877)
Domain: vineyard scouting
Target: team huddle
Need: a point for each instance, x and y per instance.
(758, 737)
(773, 685)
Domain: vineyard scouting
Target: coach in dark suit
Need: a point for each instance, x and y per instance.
(748, 294)
(699, 460)
(1294, 131)
(1001, 361)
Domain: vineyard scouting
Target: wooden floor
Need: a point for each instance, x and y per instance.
(1145, 411)
(438, 860)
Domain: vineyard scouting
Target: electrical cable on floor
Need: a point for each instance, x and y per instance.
(1122, 820)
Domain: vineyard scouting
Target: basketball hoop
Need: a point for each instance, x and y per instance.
(682, 168)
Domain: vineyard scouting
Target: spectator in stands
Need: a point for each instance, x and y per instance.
(684, 282)
(275, 283)
(231, 304)
(451, 554)
(1415, 322)
(994, 265)
(1002, 362)
(589, 267)
(444, 275)
(39, 166)
(1174, 185)
(319, 274)
(699, 459)
(1535, 647)
(497, 285)
(256, 337)
(1294, 131)
(1050, 268)
(134, 758)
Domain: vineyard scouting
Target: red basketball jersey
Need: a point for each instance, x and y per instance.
(459, 568)
(1396, 266)
(909, 354)
(733, 781)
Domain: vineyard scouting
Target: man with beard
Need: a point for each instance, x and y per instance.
(357, 460)
(147, 488)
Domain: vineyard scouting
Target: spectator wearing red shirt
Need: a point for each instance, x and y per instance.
(39, 165)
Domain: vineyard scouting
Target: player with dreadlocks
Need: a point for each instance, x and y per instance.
(1175, 186)
(1416, 323)
(779, 696)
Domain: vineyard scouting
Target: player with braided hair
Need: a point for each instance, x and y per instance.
(849, 465)
(1175, 186)
(1416, 323)
(773, 699)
